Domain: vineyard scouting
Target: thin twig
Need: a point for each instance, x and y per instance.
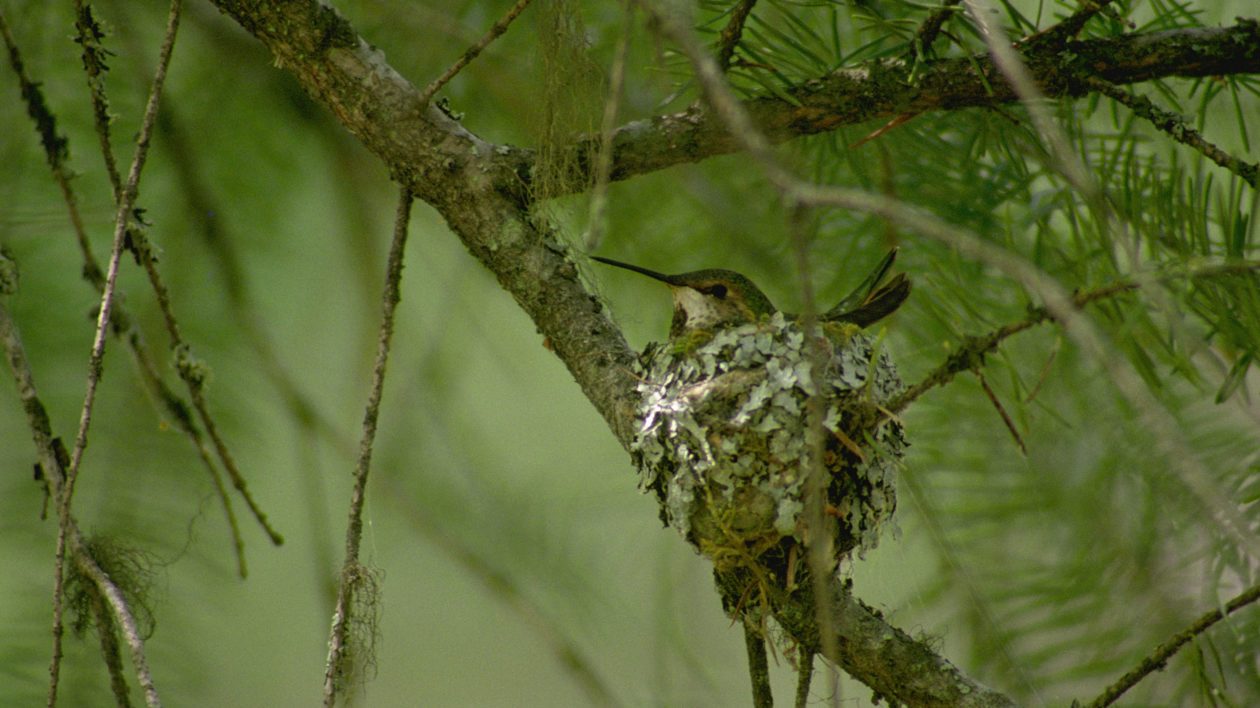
(1160, 656)
(728, 108)
(1015, 70)
(90, 35)
(471, 53)
(340, 637)
(732, 32)
(125, 204)
(1176, 128)
(107, 633)
(804, 675)
(931, 27)
(51, 465)
(55, 149)
(970, 354)
(70, 540)
(65, 489)
(1001, 409)
(758, 668)
(1072, 24)
(607, 126)
(1045, 373)
(192, 374)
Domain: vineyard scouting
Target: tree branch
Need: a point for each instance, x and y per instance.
(732, 32)
(70, 542)
(459, 175)
(883, 90)
(482, 191)
(889, 661)
(1158, 659)
(340, 656)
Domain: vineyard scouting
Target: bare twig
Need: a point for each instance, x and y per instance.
(1018, 75)
(719, 95)
(192, 373)
(55, 149)
(607, 126)
(820, 554)
(125, 204)
(1160, 656)
(1001, 409)
(52, 464)
(107, 633)
(1176, 128)
(471, 53)
(129, 332)
(338, 642)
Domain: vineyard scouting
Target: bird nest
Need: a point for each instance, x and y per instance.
(724, 440)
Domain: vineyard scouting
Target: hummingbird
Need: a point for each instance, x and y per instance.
(712, 299)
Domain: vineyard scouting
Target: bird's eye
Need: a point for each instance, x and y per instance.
(717, 291)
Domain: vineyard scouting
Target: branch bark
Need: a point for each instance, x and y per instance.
(482, 190)
(883, 90)
(459, 175)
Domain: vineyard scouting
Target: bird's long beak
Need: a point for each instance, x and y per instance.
(667, 279)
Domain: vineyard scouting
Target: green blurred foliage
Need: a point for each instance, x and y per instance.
(503, 514)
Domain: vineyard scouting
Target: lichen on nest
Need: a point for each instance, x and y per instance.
(723, 438)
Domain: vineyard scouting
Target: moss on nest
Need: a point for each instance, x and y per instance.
(723, 440)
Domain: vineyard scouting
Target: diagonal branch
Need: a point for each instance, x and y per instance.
(1159, 658)
(471, 53)
(71, 544)
(1175, 126)
(463, 177)
(732, 32)
(971, 352)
